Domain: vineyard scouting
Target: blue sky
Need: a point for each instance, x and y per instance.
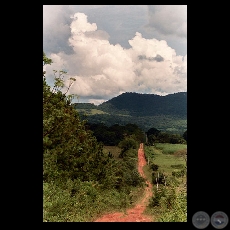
(112, 49)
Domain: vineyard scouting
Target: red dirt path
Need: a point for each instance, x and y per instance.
(134, 214)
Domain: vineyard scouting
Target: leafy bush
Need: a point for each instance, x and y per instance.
(126, 144)
(154, 167)
(169, 205)
(158, 194)
(179, 173)
(177, 210)
(79, 180)
(88, 201)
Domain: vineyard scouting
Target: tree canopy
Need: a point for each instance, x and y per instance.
(69, 149)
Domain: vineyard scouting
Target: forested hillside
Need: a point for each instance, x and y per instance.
(136, 104)
(166, 113)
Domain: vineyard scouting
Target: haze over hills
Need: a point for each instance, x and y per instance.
(166, 113)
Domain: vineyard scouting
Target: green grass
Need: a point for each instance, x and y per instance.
(165, 162)
(165, 156)
(172, 205)
(91, 111)
(97, 111)
(168, 148)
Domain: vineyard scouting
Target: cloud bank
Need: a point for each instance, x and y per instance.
(103, 70)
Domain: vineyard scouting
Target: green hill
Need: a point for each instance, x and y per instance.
(136, 104)
(166, 113)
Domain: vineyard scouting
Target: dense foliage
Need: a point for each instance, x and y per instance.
(156, 136)
(79, 180)
(136, 104)
(115, 133)
(166, 113)
(69, 150)
(165, 123)
(169, 200)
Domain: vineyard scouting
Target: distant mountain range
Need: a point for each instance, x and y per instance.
(166, 113)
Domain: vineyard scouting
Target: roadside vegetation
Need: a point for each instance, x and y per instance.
(80, 180)
(169, 177)
(167, 113)
(86, 174)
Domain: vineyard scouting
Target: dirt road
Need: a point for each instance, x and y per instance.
(134, 214)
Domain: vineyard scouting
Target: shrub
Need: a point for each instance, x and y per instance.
(179, 173)
(154, 167)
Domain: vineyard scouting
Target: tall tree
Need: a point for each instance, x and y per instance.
(69, 149)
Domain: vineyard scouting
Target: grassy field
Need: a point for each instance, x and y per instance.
(169, 157)
(113, 150)
(91, 111)
(168, 162)
(168, 148)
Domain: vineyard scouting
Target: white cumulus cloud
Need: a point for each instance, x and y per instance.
(103, 70)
